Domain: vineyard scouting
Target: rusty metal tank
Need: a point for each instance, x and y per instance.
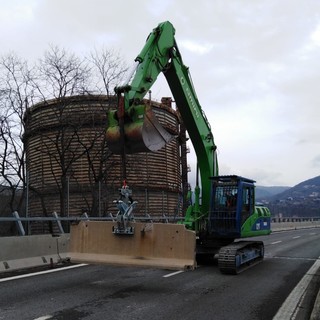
(71, 170)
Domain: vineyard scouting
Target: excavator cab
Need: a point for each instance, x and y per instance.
(233, 213)
(228, 205)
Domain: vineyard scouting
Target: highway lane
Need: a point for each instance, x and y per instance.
(107, 292)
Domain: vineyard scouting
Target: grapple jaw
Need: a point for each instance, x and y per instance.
(142, 131)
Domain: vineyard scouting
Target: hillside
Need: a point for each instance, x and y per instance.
(306, 189)
(302, 200)
(263, 193)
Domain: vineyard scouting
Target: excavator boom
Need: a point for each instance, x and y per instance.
(134, 128)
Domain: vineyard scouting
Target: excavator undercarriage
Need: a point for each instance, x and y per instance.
(239, 256)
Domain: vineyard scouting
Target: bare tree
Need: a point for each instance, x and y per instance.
(109, 69)
(55, 79)
(61, 75)
(98, 161)
(16, 94)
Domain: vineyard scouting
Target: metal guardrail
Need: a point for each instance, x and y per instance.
(74, 219)
(55, 218)
(295, 219)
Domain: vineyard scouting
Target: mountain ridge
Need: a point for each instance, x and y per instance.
(301, 200)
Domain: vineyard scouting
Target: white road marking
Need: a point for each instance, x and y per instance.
(290, 307)
(42, 272)
(44, 317)
(172, 274)
(294, 258)
(312, 233)
(296, 237)
(276, 242)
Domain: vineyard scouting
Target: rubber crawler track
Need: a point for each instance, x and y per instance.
(228, 254)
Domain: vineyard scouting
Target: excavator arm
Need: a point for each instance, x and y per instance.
(150, 62)
(138, 127)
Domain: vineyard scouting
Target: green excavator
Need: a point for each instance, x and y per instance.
(224, 209)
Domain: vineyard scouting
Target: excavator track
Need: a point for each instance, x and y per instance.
(240, 256)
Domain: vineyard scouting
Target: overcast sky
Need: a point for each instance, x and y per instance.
(255, 66)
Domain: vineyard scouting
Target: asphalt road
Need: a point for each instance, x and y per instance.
(107, 292)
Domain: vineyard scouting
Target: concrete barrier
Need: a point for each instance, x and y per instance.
(291, 225)
(32, 251)
(158, 245)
